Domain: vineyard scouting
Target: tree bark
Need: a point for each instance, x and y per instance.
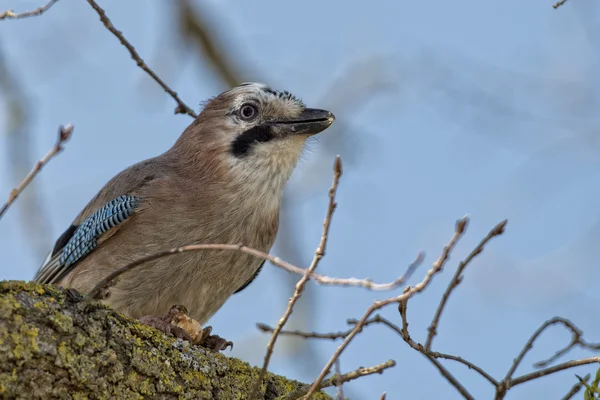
(55, 345)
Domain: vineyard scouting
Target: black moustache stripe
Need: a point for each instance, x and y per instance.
(242, 144)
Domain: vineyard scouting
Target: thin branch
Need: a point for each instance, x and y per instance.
(426, 350)
(558, 4)
(365, 283)
(181, 108)
(305, 335)
(403, 332)
(64, 133)
(551, 370)
(576, 340)
(576, 388)
(450, 378)
(108, 281)
(378, 319)
(436, 267)
(319, 253)
(429, 355)
(10, 14)
(357, 373)
(350, 376)
(506, 384)
(457, 278)
(468, 364)
(435, 354)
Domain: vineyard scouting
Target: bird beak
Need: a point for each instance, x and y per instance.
(310, 122)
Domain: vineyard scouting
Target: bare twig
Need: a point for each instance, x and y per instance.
(461, 360)
(378, 319)
(350, 376)
(450, 378)
(433, 355)
(576, 340)
(109, 280)
(64, 133)
(181, 108)
(402, 309)
(357, 373)
(436, 267)
(10, 14)
(551, 370)
(331, 335)
(576, 388)
(428, 353)
(457, 278)
(306, 335)
(501, 386)
(319, 253)
(365, 283)
(558, 4)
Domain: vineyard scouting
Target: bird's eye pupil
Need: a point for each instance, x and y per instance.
(248, 111)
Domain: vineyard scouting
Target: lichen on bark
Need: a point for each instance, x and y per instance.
(55, 345)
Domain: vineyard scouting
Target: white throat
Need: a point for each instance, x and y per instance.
(263, 174)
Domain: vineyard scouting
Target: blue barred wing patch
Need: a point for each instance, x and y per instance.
(79, 241)
(85, 238)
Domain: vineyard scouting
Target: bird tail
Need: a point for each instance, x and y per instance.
(49, 271)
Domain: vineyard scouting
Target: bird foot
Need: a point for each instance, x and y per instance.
(177, 323)
(214, 342)
(164, 325)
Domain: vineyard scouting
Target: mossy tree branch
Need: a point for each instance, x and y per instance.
(56, 345)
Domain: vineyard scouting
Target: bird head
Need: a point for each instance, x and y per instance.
(254, 134)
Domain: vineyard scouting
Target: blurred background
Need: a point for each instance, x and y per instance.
(443, 109)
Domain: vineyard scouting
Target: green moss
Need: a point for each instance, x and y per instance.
(133, 380)
(195, 379)
(62, 323)
(7, 379)
(80, 341)
(23, 339)
(147, 387)
(8, 305)
(59, 346)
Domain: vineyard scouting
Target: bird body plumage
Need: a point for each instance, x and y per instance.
(199, 191)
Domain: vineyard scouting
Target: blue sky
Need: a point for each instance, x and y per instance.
(490, 109)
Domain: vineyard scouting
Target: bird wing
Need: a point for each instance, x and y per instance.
(105, 214)
(249, 281)
(80, 240)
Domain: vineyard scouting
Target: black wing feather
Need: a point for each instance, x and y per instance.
(63, 239)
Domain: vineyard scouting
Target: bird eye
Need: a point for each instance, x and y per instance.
(248, 112)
